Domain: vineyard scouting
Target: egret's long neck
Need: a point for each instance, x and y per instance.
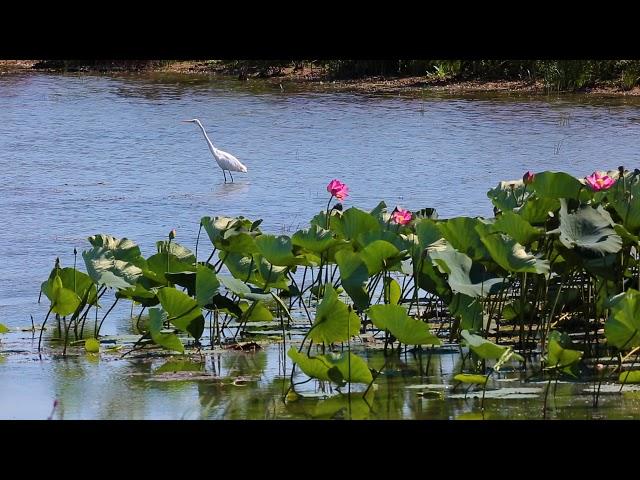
(211, 147)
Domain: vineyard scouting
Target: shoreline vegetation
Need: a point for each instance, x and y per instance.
(532, 77)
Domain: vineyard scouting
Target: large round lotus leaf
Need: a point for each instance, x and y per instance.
(461, 233)
(120, 248)
(556, 185)
(278, 250)
(407, 330)
(184, 312)
(559, 356)
(182, 253)
(169, 341)
(632, 376)
(508, 195)
(335, 322)
(428, 232)
(259, 312)
(105, 269)
(537, 211)
(355, 221)
(516, 227)
(91, 345)
(589, 229)
(139, 294)
(509, 254)
(379, 255)
(622, 328)
(207, 285)
(333, 367)
(272, 276)
(392, 237)
(354, 274)
(242, 266)
(314, 239)
(482, 347)
(242, 290)
(465, 276)
(158, 265)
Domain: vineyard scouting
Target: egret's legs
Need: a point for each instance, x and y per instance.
(225, 176)
(231, 176)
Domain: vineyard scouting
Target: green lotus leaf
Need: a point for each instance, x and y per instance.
(207, 285)
(461, 233)
(169, 341)
(105, 269)
(380, 255)
(184, 312)
(354, 274)
(325, 367)
(622, 328)
(407, 330)
(510, 255)
(315, 239)
(392, 291)
(559, 355)
(516, 227)
(556, 185)
(335, 322)
(589, 229)
(483, 348)
(139, 294)
(181, 253)
(509, 195)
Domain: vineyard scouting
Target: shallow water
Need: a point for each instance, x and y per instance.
(83, 154)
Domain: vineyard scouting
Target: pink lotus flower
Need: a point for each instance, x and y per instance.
(528, 178)
(401, 217)
(598, 182)
(338, 189)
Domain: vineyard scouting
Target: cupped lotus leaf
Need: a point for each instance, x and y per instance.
(207, 285)
(509, 195)
(184, 312)
(243, 267)
(225, 305)
(169, 341)
(139, 294)
(272, 276)
(537, 211)
(589, 229)
(430, 279)
(63, 301)
(510, 255)
(259, 312)
(407, 330)
(556, 185)
(335, 322)
(182, 253)
(219, 228)
(74, 280)
(392, 291)
(354, 274)
(399, 241)
(468, 310)
(120, 248)
(465, 276)
(315, 239)
(157, 266)
(183, 279)
(241, 289)
(278, 250)
(91, 345)
(516, 227)
(333, 367)
(471, 378)
(461, 233)
(238, 242)
(4, 328)
(355, 221)
(105, 269)
(429, 213)
(428, 232)
(622, 328)
(335, 223)
(626, 203)
(559, 355)
(482, 347)
(380, 255)
(632, 376)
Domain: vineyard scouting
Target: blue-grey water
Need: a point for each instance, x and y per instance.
(82, 154)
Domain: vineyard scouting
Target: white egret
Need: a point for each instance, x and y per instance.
(225, 160)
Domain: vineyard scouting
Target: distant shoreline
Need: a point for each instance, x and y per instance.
(319, 79)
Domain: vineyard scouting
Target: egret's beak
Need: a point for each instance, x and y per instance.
(185, 121)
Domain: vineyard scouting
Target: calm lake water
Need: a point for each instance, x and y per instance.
(83, 154)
